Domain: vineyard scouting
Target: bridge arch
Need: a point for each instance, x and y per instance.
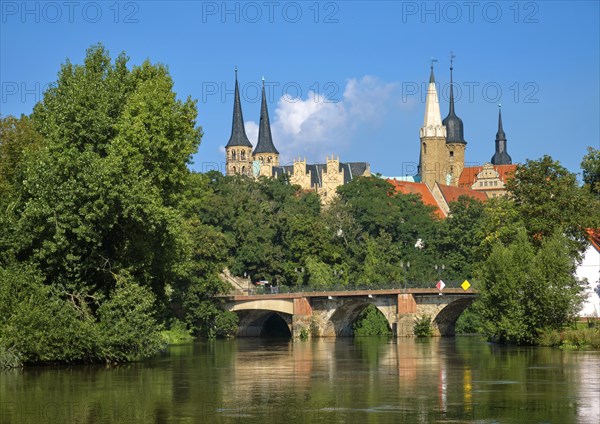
(338, 322)
(445, 320)
(264, 323)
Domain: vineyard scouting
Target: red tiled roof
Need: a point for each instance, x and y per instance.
(422, 190)
(469, 174)
(451, 193)
(594, 236)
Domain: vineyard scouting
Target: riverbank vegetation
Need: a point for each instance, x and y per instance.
(110, 246)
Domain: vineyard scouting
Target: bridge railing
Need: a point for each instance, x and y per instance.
(352, 287)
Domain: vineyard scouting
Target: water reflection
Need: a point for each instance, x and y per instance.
(373, 380)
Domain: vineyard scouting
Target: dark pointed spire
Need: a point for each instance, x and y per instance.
(265, 139)
(238, 133)
(431, 77)
(453, 124)
(501, 157)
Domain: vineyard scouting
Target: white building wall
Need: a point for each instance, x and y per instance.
(590, 269)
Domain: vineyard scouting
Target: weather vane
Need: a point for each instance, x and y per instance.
(451, 58)
(432, 61)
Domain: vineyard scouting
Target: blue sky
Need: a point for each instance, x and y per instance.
(343, 77)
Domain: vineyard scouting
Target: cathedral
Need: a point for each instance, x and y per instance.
(442, 174)
(324, 178)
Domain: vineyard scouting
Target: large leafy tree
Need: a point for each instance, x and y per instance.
(99, 208)
(548, 198)
(525, 288)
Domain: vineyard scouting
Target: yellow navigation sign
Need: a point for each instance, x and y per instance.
(465, 285)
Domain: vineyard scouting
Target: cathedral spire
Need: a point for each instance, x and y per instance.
(265, 139)
(432, 124)
(501, 157)
(453, 124)
(238, 133)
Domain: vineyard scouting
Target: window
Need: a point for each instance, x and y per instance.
(260, 158)
(269, 159)
(495, 183)
(243, 169)
(243, 155)
(424, 148)
(451, 153)
(480, 183)
(234, 170)
(233, 155)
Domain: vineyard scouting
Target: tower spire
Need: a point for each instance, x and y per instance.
(238, 133)
(265, 139)
(453, 124)
(501, 157)
(432, 124)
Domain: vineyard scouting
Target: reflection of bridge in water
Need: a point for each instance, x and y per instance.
(332, 313)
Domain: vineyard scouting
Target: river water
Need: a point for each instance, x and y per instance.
(362, 380)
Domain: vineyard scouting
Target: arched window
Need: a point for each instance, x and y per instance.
(424, 147)
(269, 159)
(233, 155)
(243, 170)
(451, 153)
(261, 158)
(234, 170)
(243, 155)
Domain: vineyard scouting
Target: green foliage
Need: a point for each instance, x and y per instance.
(570, 338)
(422, 326)
(591, 171)
(459, 238)
(178, 333)
(371, 322)
(523, 289)
(100, 212)
(548, 198)
(203, 313)
(127, 325)
(469, 322)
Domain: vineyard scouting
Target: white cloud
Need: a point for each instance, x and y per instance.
(317, 126)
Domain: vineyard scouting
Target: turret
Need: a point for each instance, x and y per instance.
(501, 157)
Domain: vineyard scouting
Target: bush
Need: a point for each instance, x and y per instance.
(178, 333)
(9, 358)
(371, 322)
(128, 329)
(422, 327)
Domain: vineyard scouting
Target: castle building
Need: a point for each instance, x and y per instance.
(240, 159)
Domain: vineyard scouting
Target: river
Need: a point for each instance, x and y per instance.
(362, 380)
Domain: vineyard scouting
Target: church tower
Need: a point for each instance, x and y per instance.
(434, 153)
(238, 150)
(501, 157)
(455, 140)
(265, 152)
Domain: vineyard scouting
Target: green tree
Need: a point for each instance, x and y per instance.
(549, 199)
(459, 238)
(591, 170)
(524, 289)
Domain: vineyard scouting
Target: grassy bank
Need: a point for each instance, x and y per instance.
(572, 338)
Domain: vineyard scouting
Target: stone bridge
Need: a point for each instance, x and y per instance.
(331, 314)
